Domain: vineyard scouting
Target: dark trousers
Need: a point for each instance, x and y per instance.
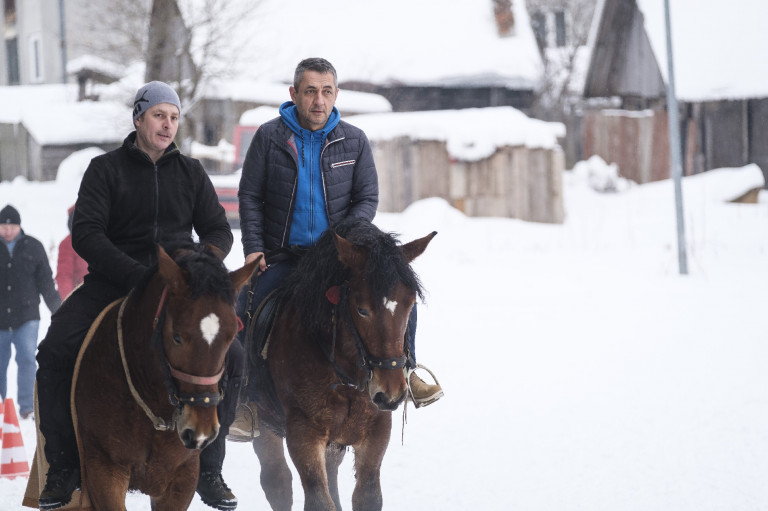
(212, 457)
(56, 358)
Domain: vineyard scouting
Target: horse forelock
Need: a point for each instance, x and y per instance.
(321, 269)
(206, 274)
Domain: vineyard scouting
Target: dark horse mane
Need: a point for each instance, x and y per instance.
(206, 273)
(320, 269)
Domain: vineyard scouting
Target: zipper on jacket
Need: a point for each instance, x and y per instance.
(322, 176)
(288, 217)
(157, 203)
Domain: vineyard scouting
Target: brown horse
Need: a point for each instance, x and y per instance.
(334, 366)
(148, 381)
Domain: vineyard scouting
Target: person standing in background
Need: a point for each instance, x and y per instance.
(70, 268)
(25, 275)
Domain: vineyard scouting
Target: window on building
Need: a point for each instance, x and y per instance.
(36, 56)
(12, 60)
(10, 12)
(560, 28)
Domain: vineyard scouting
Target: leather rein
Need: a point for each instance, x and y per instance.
(339, 297)
(176, 398)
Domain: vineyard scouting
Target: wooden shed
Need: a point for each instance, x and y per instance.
(48, 124)
(491, 162)
(721, 81)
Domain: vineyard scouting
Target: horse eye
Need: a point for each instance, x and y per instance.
(362, 312)
(177, 338)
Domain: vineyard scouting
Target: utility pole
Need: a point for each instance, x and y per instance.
(63, 34)
(674, 148)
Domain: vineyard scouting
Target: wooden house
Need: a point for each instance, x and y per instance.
(424, 55)
(41, 125)
(721, 82)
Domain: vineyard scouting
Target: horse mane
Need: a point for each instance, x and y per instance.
(206, 274)
(320, 269)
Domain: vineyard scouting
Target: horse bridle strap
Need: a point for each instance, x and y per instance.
(159, 423)
(196, 380)
(176, 397)
(365, 360)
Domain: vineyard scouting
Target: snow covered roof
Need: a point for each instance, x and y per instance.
(719, 46)
(399, 41)
(471, 134)
(275, 94)
(53, 116)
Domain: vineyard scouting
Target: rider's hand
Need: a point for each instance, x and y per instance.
(262, 264)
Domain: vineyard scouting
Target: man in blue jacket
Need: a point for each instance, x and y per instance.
(25, 275)
(304, 172)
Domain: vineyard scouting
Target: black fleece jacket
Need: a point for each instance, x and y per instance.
(127, 205)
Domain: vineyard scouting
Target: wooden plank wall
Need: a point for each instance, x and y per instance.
(636, 141)
(514, 182)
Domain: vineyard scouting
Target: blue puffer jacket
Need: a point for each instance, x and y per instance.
(269, 182)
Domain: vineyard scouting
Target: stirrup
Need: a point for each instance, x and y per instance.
(418, 403)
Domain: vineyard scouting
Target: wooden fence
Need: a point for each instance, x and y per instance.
(514, 182)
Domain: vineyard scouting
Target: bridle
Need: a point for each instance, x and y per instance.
(339, 297)
(171, 374)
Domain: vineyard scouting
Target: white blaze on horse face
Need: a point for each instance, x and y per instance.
(390, 305)
(209, 325)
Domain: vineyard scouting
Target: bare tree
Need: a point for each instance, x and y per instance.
(562, 31)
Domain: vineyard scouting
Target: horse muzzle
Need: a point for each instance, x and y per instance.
(387, 388)
(197, 427)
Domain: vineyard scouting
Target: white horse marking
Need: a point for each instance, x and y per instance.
(209, 325)
(390, 305)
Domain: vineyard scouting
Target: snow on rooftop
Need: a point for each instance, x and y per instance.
(94, 63)
(398, 41)
(275, 94)
(719, 46)
(53, 116)
(471, 134)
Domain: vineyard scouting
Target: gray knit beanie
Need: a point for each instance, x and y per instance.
(152, 94)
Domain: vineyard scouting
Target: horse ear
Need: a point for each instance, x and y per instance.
(244, 274)
(350, 255)
(417, 247)
(169, 271)
(220, 255)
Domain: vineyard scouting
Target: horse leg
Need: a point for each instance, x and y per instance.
(180, 490)
(334, 455)
(276, 478)
(368, 457)
(107, 485)
(307, 450)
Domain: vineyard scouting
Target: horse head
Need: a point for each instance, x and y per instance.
(198, 327)
(382, 290)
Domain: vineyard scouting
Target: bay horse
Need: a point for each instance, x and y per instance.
(147, 381)
(333, 371)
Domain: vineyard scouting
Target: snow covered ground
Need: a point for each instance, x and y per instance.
(581, 371)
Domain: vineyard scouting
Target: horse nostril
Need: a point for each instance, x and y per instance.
(188, 439)
(384, 403)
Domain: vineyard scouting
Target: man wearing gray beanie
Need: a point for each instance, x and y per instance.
(141, 195)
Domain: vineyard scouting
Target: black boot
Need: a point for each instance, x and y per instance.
(59, 486)
(214, 491)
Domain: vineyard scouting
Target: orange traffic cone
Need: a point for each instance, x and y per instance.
(13, 458)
